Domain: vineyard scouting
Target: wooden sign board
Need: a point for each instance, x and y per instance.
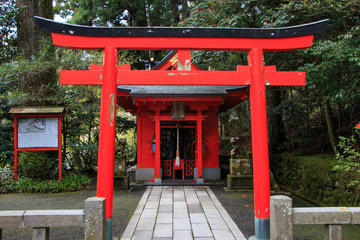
(38, 132)
(178, 110)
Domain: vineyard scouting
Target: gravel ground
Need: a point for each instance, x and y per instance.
(124, 206)
(238, 204)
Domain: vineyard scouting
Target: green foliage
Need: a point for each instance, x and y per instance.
(69, 184)
(36, 165)
(332, 65)
(81, 121)
(315, 177)
(6, 179)
(8, 13)
(348, 160)
(119, 13)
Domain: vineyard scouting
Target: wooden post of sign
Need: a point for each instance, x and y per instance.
(15, 148)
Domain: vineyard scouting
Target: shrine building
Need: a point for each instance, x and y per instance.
(179, 114)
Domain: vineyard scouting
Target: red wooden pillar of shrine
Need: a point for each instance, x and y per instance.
(157, 161)
(199, 178)
(157, 174)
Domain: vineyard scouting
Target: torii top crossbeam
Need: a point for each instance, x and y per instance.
(256, 75)
(170, 38)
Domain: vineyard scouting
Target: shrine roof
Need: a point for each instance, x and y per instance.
(282, 32)
(178, 90)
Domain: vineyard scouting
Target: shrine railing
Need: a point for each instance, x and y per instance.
(91, 218)
(283, 217)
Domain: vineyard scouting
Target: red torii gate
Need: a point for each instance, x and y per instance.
(256, 75)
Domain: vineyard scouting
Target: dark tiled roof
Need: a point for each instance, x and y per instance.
(177, 90)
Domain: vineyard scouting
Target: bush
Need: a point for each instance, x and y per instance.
(6, 180)
(69, 184)
(315, 177)
(348, 165)
(37, 165)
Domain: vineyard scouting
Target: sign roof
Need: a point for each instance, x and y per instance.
(36, 110)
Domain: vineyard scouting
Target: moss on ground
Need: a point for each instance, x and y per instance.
(314, 177)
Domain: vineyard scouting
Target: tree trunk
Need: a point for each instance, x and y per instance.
(28, 35)
(184, 11)
(35, 83)
(174, 12)
(351, 113)
(339, 118)
(277, 129)
(330, 124)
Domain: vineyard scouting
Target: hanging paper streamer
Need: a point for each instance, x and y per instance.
(177, 160)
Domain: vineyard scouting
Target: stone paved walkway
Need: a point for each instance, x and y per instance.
(181, 212)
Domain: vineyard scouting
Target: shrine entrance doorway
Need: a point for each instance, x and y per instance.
(178, 136)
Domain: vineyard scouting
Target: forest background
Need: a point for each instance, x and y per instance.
(316, 121)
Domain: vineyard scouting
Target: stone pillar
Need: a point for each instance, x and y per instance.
(281, 218)
(121, 179)
(333, 232)
(95, 219)
(240, 176)
(41, 233)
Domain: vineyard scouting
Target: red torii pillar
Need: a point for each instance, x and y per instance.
(260, 149)
(106, 152)
(255, 41)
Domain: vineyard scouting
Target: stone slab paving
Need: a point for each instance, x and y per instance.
(181, 213)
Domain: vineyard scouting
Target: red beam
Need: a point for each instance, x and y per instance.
(100, 67)
(38, 149)
(163, 77)
(81, 77)
(182, 43)
(284, 78)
